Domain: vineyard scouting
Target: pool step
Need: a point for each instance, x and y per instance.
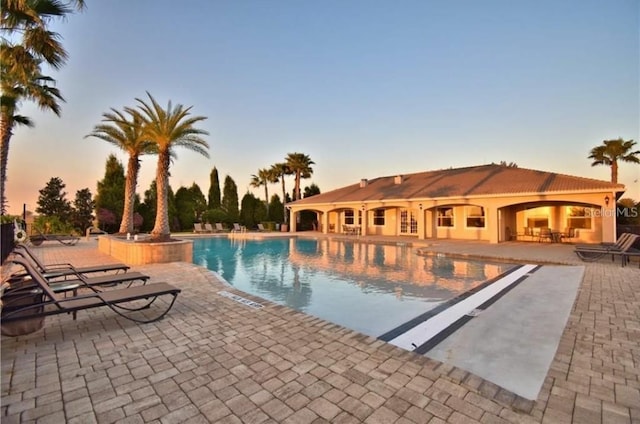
(427, 334)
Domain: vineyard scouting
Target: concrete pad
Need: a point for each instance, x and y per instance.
(513, 342)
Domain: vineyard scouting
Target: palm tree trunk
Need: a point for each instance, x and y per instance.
(161, 230)
(133, 166)
(266, 198)
(284, 200)
(614, 171)
(297, 195)
(5, 137)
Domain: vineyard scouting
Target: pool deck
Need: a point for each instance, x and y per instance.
(212, 359)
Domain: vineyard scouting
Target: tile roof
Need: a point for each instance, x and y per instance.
(471, 181)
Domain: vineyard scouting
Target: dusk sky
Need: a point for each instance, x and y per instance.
(365, 88)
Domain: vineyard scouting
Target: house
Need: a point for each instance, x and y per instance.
(493, 203)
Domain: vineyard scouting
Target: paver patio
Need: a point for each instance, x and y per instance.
(215, 360)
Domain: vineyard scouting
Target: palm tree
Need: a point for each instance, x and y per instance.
(612, 151)
(168, 128)
(300, 165)
(126, 133)
(21, 78)
(265, 177)
(15, 89)
(281, 170)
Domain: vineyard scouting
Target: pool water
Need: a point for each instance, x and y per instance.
(367, 287)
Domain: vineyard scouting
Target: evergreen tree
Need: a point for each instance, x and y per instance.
(147, 208)
(53, 202)
(230, 199)
(253, 211)
(276, 211)
(214, 190)
(83, 210)
(199, 201)
(311, 190)
(111, 189)
(190, 206)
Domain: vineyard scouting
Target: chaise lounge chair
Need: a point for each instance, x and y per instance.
(619, 248)
(208, 228)
(62, 269)
(198, 228)
(39, 238)
(219, 227)
(237, 228)
(51, 303)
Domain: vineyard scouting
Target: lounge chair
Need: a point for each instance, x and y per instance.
(261, 228)
(208, 228)
(605, 246)
(237, 228)
(51, 303)
(622, 249)
(73, 279)
(40, 237)
(219, 227)
(198, 228)
(62, 269)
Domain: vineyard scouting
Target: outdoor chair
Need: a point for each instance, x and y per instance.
(261, 228)
(623, 249)
(237, 228)
(219, 227)
(568, 233)
(62, 269)
(40, 237)
(198, 228)
(208, 228)
(545, 234)
(605, 246)
(72, 280)
(47, 302)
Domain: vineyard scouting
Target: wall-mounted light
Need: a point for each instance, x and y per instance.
(606, 200)
(420, 206)
(363, 206)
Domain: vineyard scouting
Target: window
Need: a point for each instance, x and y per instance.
(348, 217)
(578, 217)
(378, 217)
(538, 222)
(475, 216)
(445, 217)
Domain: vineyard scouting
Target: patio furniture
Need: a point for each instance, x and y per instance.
(198, 228)
(219, 227)
(623, 249)
(39, 238)
(62, 269)
(545, 234)
(568, 233)
(237, 228)
(261, 228)
(41, 300)
(208, 228)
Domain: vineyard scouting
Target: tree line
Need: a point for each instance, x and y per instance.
(185, 206)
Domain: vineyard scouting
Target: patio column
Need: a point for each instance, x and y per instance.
(365, 221)
(421, 223)
(325, 223)
(491, 224)
(609, 221)
(293, 221)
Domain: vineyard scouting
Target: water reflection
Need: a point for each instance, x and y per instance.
(288, 271)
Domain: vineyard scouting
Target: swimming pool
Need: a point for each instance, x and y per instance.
(367, 287)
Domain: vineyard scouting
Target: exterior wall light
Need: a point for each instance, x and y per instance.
(420, 206)
(606, 200)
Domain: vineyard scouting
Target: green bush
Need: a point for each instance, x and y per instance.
(215, 215)
(53, 225)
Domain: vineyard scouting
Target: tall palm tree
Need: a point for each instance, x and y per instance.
(126, 133)
(300, 165)
(612, 151)
(265, 177)
(15, 89)
(25, 43)
(281, 169)
(168, 128)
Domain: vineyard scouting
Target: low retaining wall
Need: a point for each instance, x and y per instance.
(140, 253)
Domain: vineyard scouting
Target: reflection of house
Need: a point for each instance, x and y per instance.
(489, 202)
